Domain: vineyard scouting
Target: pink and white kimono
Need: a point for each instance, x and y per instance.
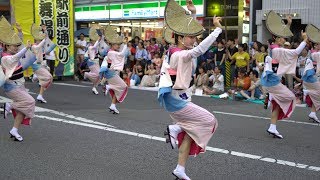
(280, 95)
(93, 64)
(14, 85)
(311, 83)
(194, 120)
(39, 67)
(117, 86)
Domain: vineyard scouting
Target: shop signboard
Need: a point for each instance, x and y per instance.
(153, 9)
(217, 7)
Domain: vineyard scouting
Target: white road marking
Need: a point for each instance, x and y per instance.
(212, 149)
(81, 119)
(259, 117)
(73, 85)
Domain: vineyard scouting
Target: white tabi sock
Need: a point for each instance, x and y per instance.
(312, 114)
(175, 128)
(273, 127)
(14, 131)
(113, 106)
(180, 168)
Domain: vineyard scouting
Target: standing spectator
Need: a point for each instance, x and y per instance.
(259, 58)
(241, 58)
(50, 59)
(163, 47)
(255, 52)
(141, 54)
(136, 41)
(81, 46)
(220, 56)
(231, 49)
(218, 83)
(132, 51)
(302, 62)
(146, 43)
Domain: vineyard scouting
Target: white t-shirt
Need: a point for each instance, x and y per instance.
(219, 84)
(51, 56)
(81, 43)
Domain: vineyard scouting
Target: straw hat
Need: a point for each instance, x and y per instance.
(93, 35)
(276, 26)
(313, 33)
(179, 22)
(112, 36)
(7, 34)
(36, 32)
(168, 35)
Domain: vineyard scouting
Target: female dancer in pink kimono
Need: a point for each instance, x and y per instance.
(117, 88)
(281, 98)
(23, 104)
(39, 67)
(93, 64)
(194, 125)
(312, 86)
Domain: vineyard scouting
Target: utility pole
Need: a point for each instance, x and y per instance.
(225, 20)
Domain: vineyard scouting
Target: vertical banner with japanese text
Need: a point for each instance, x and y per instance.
(58, 16)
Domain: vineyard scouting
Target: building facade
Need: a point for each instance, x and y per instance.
(137, 18)
(303, 12)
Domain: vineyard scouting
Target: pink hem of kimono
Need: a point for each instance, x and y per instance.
(25, 121)
(123, 96)
(195, 149)
(282, 115)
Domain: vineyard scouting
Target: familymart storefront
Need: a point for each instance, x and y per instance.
(143, 19)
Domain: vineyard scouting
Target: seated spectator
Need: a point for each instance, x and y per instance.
(241, 83)
(152, 48)
(218, 83)
(149, 78)
(141, 55)
(128, 72)
(201, 79)
(132, 51)
(255, 90)
(137, 73)
(209, 65)
(126, 78)
(157, 62)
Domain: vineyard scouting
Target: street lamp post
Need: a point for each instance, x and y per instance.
(225, 20)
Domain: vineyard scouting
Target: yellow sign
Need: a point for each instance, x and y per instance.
(58, 16)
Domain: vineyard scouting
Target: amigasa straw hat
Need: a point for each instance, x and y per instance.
(276, 26)
(313, 33)
(168, 35)
(7, 34)
(112, 36)
(36, 32)
(93, 35)
(180, 22)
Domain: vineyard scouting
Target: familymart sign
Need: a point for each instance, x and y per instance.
(153, 9)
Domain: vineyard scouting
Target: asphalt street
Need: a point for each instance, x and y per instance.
(73, 136)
